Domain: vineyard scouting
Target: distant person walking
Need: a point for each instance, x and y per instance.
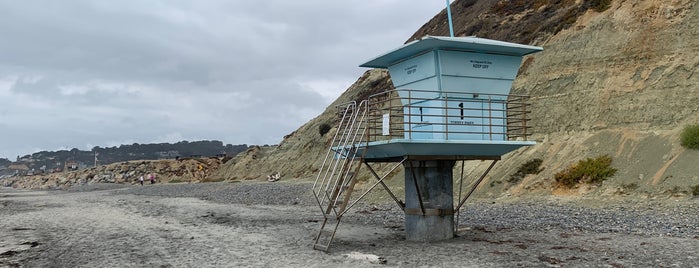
(201, 172)
(151, 177)
(141, 180)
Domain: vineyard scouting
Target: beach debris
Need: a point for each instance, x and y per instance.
(8, 253)
(274, 177)
(371, 258)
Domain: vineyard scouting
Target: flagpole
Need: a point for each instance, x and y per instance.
(451, 27)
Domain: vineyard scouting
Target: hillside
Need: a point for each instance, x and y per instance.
(617, 79)
(620, 83)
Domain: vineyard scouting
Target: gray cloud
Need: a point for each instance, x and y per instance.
(77, 74)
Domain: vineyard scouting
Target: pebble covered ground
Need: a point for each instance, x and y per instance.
(242, 223)
(249, 193)
(644, 217)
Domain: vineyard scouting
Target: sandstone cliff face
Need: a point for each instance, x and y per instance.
(620, 81)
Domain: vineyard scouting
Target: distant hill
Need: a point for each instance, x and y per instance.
(4, 163)
(50, 160)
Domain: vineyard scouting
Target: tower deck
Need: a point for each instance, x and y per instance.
(390, 150)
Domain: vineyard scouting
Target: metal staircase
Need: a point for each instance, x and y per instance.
(337, 175)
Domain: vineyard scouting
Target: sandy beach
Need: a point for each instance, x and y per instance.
(252, 224)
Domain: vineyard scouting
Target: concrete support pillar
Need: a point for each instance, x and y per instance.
(433, 181)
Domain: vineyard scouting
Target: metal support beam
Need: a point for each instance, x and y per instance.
(417, 187)
(461, 183)
(380, 179)
(475, 186)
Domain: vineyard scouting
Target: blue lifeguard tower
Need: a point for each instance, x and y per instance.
(451, 102)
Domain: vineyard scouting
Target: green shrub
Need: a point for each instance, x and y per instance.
(695, 190)
(630, 187)
(600, 5)
(324, 128)
(676, 190)
(590, 170)
(213, 179)
(530, 167)
(493, 183)
(690, 137)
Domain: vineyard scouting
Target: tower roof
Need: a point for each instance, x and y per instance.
(470, 43)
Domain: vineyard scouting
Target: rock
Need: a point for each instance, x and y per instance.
(371, 258)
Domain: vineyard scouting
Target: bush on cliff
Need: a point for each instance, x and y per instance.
(530, 167)
(690, 137)
(323, 129)
(590, 170)
(601, 5)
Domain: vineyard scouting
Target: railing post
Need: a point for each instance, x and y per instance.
(410, 116)
(490, 117)
(524, 118)
(446, 116)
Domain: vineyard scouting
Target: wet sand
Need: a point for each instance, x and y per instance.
(273, 225)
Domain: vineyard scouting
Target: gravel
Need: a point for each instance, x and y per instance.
(681, 220)
(245, 221)
(248, 193)
(640, 217)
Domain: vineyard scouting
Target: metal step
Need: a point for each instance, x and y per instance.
(320, 247)
(332, 205)
(326, 234)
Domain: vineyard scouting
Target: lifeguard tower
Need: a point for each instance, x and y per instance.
(451, 102)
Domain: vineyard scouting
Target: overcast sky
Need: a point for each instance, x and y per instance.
(85, 73)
